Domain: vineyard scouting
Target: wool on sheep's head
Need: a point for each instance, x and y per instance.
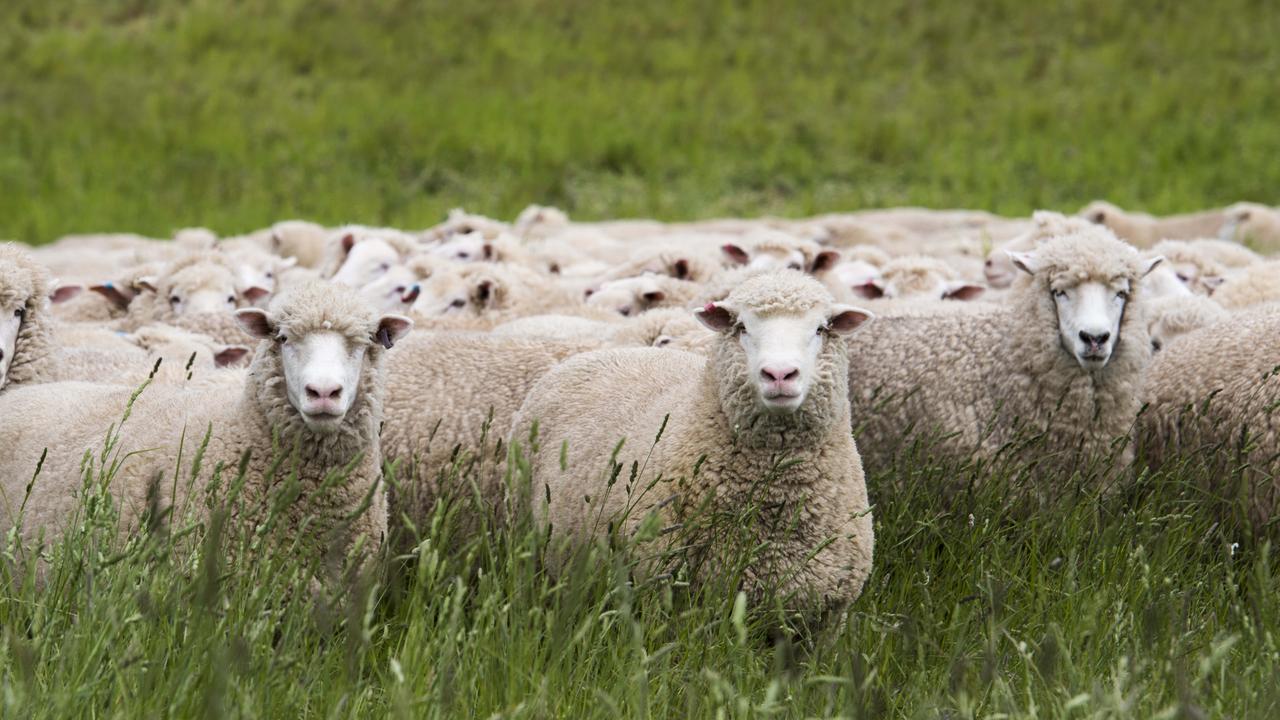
(781, 360)
(1084, 283)
(24, 325)
(321, 350)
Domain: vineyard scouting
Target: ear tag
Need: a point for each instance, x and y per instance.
(384, 338)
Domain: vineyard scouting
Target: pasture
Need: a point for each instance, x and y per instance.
(1155, 599)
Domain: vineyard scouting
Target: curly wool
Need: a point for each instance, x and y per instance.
(975, 382)
(24, 281)
(1202, 410)
(719, 455)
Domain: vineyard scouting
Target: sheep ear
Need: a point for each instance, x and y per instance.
(348, 242)
(1024, 261)
(1150, 265)
(113, 294)
(718, 317)
(390, 329)
(871, 289)
(488, 251)
(486, 292)
(63, 293)
(147, 282)
(844, 319)
(253, 293)
(256, 322)
(276, 242)
(962, 291)
(680, 269)
(825, 260)
(654, 296)
(230, 355)
(735, 253)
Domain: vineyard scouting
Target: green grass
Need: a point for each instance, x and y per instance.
(1152, 603)
(147, 115)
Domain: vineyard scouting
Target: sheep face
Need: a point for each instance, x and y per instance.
(256, 274)
(11, 316)
(469, 291)
(468, 247)
(781, 349)
(628, 296)
(366, 260)
(322, 366)
(998, 270)
(1089, 309)
(395, 291)
(202, 288)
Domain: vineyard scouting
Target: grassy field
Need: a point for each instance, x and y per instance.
(146, 116)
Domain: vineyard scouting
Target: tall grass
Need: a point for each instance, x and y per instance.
(1148, 603)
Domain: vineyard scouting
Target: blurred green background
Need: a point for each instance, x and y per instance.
(147, 116)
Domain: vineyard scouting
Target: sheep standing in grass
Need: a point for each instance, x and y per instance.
(1214, 397)
(762, 424)
(309, 408)
(1063, 358)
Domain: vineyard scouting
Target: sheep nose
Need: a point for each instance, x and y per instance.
(1095, 339)
(779, 373)
(324, 391)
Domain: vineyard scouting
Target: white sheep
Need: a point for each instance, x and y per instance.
(917, 277)
(1063, 357)
(763, 423)
(26, 343)
(1252, 285)
(1144, 231)
(1214, 398)
(635, 295)
(311, 401)
(1169, 318)
(358, 255)
(1257, 226)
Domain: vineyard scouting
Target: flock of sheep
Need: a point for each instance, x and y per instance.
(649, 374)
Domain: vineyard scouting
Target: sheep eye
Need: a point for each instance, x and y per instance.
(399, 289)
(1156, 345)
(458, 303)
(383, 267)
(1122, 295)
(270, 275)
(282, 339)
(793, 266)
(1059, 293)
(174, 299)
(1182, 277)
(21, 312)
(231, 299)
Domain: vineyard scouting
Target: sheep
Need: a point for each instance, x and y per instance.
(306, 242)
(1144, 230)
(917, 276)
(447, 393)
(1169, 318)
(476, 246)
(538, 219)
(1193, 267)
(1257, 226)
(672, 260)
(312, 397)
(400, 286)
(771, 249)
(1231, 255)
(198, 283)
(1253, 285)
(763, 422)
(1064, 357)
(26, 344)
(1213, 396)
(461, 222)
(635, 295)
(358, 255)
(482, 295)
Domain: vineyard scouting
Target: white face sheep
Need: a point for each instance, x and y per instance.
(1089, 310)
(321, 367)
(465, 247)
(781, 349)
(12, 313)
(395, 291)
(366, 260)
(198, 288)
(763, 420)
(24, 323)
(627, 296)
